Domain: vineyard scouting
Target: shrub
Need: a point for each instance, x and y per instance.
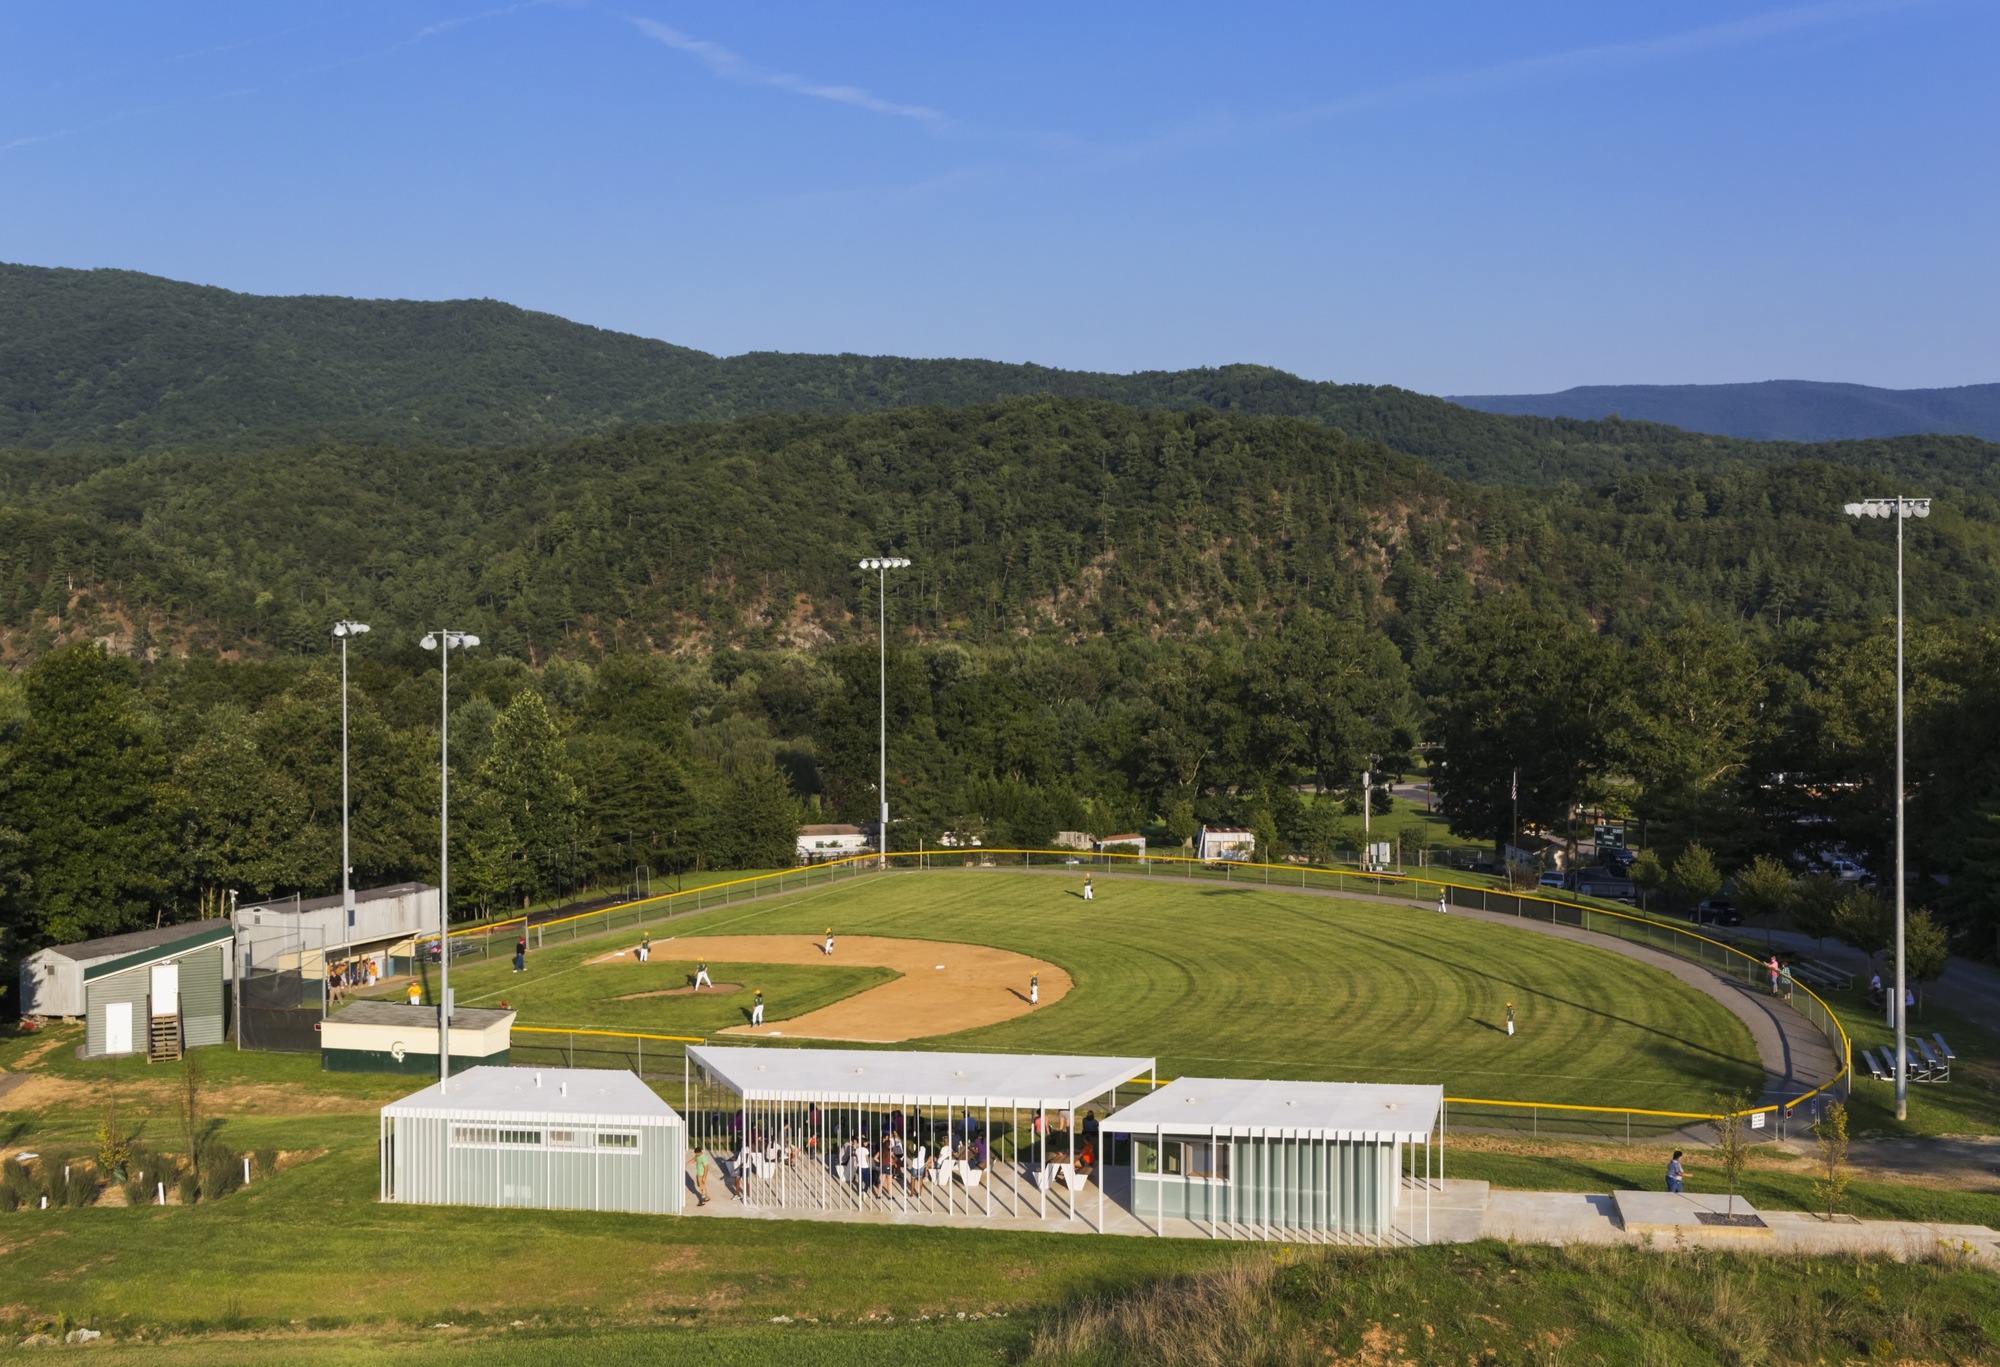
(190, 1188)
(221, 1171)
(267, 1162)
(78, 1187)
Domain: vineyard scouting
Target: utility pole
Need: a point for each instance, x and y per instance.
(1902, 509)
(444, 642)
(882, 564)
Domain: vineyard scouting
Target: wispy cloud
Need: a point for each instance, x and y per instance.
(1601, 57)
(447, 25)
(731, 66)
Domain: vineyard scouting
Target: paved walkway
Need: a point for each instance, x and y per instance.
(1450, 1212)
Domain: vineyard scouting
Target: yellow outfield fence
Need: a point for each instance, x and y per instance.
(1529, 1117)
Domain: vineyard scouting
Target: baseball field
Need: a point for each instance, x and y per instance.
(1236, 981)
(306, 1265)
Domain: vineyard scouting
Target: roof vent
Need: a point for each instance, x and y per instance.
(859, 1071)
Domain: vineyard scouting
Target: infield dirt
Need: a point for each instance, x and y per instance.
(943, 987)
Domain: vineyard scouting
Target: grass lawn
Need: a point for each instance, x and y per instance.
(1968, 1104)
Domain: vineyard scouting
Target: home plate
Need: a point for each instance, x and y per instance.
(940, 965)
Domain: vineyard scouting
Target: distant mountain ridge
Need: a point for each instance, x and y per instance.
(100, 365)
(1773, 410)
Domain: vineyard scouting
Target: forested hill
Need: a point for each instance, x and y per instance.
(1038, 516)
(1773, 410)
(119, 362)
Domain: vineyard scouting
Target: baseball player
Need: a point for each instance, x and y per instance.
(646, 947)
(757, 1008)
(1510, 1020)
(701, 976)
(828, 949)
(1034, 989)
(1441, 907)
(1088, 892)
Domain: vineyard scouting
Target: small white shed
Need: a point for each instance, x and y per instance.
(540, 1138)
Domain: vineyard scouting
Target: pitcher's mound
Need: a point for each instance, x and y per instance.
(682, 992)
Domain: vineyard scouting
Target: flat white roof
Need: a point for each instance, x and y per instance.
(553, 1093)
(1285, 1110)
(909, 1077)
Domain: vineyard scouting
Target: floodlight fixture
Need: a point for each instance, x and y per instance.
(1890, 507)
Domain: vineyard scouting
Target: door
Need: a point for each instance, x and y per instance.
(166, 989)
(118, 1027)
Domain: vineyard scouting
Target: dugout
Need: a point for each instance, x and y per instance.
(391, 1037)
(154, 992)
(1238, 1158)
(539, 1138)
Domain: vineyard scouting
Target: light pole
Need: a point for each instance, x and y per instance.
(882, 564)
(444, 642)
(345, 630)
(1902, 509)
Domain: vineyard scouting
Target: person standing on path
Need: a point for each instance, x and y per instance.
(1785, 981)
(1034, 989)
(1773, 967)
(1675, 1172)
(1087, 891)
(1510, 1020)
(701, 1164)
(1441, 910)
(757, 1008)
(701, 975)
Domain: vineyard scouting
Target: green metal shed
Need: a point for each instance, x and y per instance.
(165, 995)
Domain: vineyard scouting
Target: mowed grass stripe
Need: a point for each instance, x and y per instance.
(1264, 982)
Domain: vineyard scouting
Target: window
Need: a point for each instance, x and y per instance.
(1184, 1158)
(487, 1136)
(617, 1139)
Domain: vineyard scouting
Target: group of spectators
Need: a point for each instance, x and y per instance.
(883, 1164)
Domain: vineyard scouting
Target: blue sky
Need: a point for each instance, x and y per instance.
(1450, 196)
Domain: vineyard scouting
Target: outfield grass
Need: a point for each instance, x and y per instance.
(561, 989)
(1244, 981)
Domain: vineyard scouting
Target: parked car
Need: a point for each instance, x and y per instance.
(1717, 911)
(1553, 880)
